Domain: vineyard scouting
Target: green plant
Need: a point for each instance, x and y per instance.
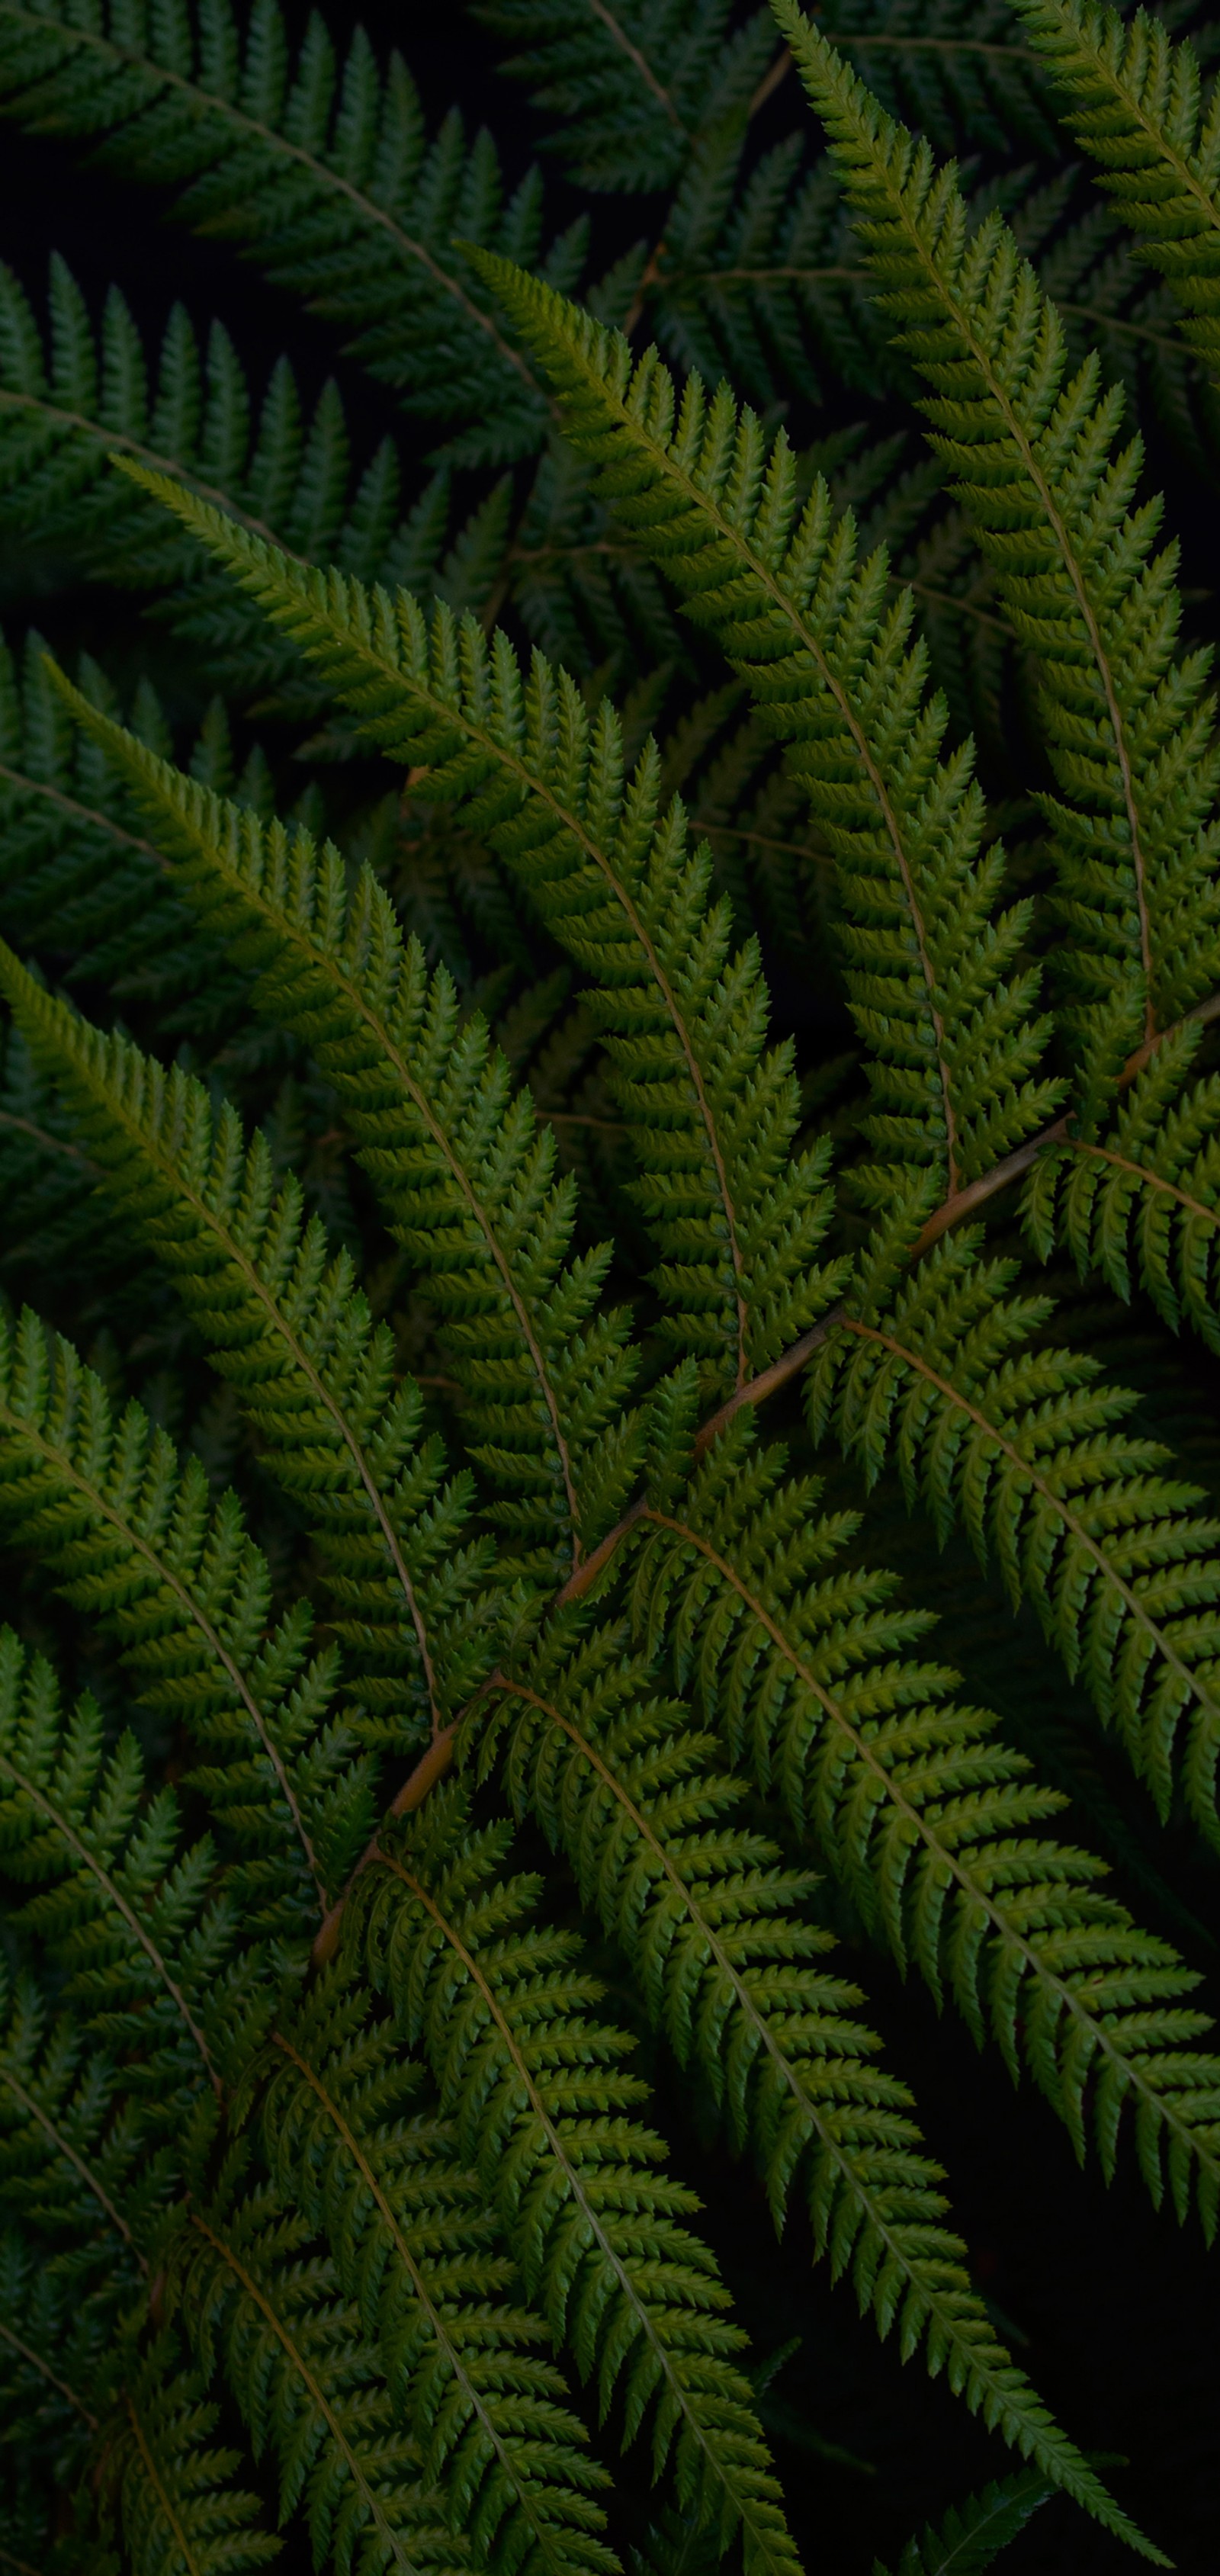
(491, 1417)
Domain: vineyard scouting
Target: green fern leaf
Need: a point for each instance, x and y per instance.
(949, 1019)
(953, 67)
(542, 2107)
(736, 1215)
(325, 172)
(921, 1809)
(418, 2253)
(629, 88)
(73, 2174)
(1142, 1203)
(1133, 99)
(1023, 1443)
(143, 1946)
(973, 2534)
(1127, 726)
(288, 1327)
(305, 2379)
(131, 1536)
(171, 2486)
(78, 875)
(66, 408)
(711, 1925)
(467, 1180)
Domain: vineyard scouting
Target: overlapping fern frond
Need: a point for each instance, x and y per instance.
(323, 168)
(172, 2487)
(735, 1216)
(937, 987)
(921, 1808)
(594, 2222)
(467, 1179)
(1052, 496)
(130, 1533)
(67, 407)
(1135, 101)
(290, 1329)
(714, 1929)
(630, 87)
(418, 2252)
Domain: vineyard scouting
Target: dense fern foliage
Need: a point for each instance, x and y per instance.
(609, 1289)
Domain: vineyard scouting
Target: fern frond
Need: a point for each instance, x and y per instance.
(418, 2252)
(936, 985)
(973, 2534)
(173, 2485)
(1127, 725)
(53, 2345)
(542, 2107)
(79, 878)
(1106, 300)
(736, 1215)
(953, 67)
(75, 2171)
(1133, 98)
(307, 2385)
(49, 1188)
(1022, 1442)
(728, 1967)
(1143, 1201)
(630, 87)
(760, 276)
(68, 405)
(325, 172)
(467, 1180)
(130, 1535)
(921, 1809)
(288, 1327)
(143, 1944)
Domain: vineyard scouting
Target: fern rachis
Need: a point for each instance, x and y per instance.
(418, 1894)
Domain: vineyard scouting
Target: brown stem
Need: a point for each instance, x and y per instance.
(770, 81)
(768, 1382)
(430, 1767)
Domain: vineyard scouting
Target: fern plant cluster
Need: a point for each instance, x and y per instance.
(610, 1155)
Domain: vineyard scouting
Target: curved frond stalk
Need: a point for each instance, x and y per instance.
(1128, 727)
(305, 2377)
(946, 1008)
(131, 1535)
(1022, 1443)
(632, 83)
(711, 1924)
(418, 2251)
(1143, 1201)
(327, 174)
(736, 1214)
(131, 1920)
(973, 2534)
(1133, 98)
(455, 1153)
(290, 1329)
(542, 2107)
(169, 2483)
(923, 1811)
